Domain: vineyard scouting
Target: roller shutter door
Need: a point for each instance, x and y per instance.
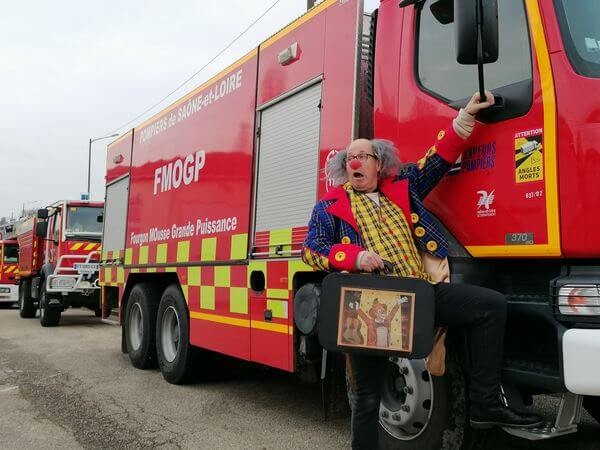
(288, 161)
(115, 215)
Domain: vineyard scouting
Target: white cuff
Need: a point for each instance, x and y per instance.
(359, 258)
(463, 124)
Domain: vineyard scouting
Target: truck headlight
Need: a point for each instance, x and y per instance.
(62, 283)
(579, 300)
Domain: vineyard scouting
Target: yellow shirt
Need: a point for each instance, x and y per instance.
(385, 231)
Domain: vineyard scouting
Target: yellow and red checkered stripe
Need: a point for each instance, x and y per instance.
(216, 248)
(84, 247)
(284, 240)
(10, 269)
(206, 287)
(9, 273)
(223, 307)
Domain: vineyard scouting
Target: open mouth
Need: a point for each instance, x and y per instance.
(358, 175)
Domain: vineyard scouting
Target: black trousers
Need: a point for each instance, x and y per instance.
(482, 313)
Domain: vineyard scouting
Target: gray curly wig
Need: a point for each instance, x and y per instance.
(385, 152)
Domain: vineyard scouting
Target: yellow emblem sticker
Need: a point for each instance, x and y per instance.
(441, 135)
(340, 256)
(529, 157)
(345, 240)
(414, 217)
(432, 246)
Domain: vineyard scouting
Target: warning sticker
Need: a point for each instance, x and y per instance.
(529, 158)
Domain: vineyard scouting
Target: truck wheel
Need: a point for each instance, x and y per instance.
(173, 337)
(420, 411)
(49, 315)
(26, 307)
(140, 326)
(592, 406)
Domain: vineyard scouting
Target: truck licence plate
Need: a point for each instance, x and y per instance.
(86, 267)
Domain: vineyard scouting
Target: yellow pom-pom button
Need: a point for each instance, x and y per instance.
(414, 217)
(340, 256)
(441, 135)
(345, 240)
(420, 231)
(432, 246)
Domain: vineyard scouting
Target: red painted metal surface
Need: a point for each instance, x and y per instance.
(118, 157)
(412, 118)
(213, 146)
(578, 120)
(30, 248)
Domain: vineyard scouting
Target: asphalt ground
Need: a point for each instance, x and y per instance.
(70, 387)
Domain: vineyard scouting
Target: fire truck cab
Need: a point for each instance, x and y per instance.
(58, 263)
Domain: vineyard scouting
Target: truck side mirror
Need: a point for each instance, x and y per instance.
(100, 218)
(470, 16)
(443, 11)
(41, 229)
(42, 213)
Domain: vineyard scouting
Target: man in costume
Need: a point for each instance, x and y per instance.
(376, 214)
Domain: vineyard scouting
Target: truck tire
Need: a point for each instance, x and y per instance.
(140, 326)
(26, 307)
(420, 411)
(49, 315)
(592, 406)
(173, 347)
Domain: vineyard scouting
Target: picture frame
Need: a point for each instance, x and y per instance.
(375, 318)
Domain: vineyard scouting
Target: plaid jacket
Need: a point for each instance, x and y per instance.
(334, 240)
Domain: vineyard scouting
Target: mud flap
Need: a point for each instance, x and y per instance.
(333, 386)
(123, 333)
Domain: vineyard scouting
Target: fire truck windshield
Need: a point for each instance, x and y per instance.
(11, 254)
(82, 221)
(580, 26)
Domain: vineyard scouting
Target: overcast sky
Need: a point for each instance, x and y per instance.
(74, 70)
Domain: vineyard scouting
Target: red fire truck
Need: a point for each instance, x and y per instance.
(9, 257)
(58, 260)
(207, 202)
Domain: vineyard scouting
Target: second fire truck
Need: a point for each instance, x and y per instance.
(58, 260)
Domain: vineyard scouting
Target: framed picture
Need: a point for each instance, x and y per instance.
(378, 319)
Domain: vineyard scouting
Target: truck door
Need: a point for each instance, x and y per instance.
(500, 197)
(115, 214)
(54, 237)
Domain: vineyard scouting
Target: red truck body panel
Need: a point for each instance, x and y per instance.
(31, 248)
(118, 158)
(202, 228)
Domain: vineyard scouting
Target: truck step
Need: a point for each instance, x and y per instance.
(567, 418)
